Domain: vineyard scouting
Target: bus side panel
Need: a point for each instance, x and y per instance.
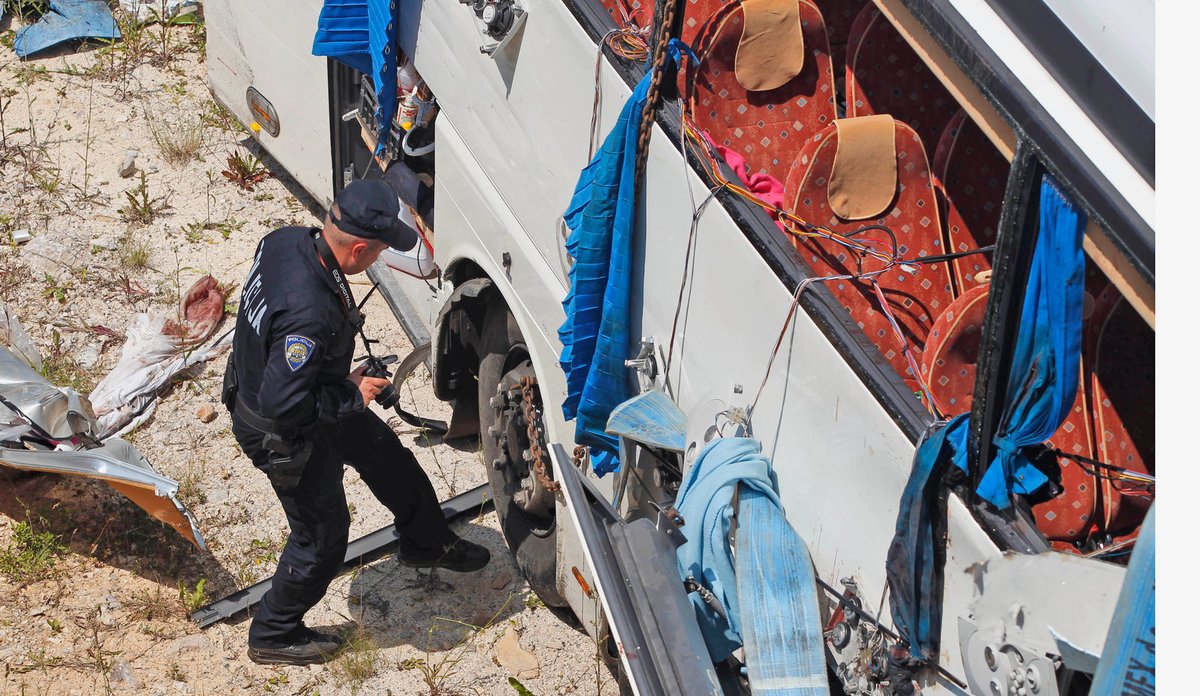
(267, 45)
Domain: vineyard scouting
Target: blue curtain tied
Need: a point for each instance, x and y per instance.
(362, 34)
(595, 334)
(1044, 376)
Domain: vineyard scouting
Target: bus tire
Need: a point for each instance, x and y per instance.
(531, 538)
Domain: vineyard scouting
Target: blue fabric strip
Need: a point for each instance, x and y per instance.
(780, 610)
(914, 567)
(1044, 376)
(362, 34)
(1127, 665)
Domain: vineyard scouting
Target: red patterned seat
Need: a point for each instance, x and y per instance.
(839, 17)
(768, 128)
(885, 76)
(696, 14)
(639, 13)
(1121, 380)
(916, 297)
(969, 174)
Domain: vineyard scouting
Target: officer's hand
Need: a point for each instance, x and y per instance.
(369, 387)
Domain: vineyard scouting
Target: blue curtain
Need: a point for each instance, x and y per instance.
(915, 557)
(1044, 376)
(595, 335)
(362, 34)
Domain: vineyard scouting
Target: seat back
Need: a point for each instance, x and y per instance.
(768, 128)
(639, 13)
(885, 76)
(916, 297)
(969, 175)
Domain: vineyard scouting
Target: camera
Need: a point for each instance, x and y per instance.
(377, 367)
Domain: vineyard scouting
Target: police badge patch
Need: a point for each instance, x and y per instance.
(297, 350)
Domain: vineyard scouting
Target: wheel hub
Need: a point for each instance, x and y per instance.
(516, 460)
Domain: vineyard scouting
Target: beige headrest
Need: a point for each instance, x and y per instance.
(771, 50)
(863, 181)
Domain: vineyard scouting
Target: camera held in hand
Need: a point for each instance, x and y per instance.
(377, 367)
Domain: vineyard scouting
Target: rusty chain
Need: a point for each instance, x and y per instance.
(660, 59)
(536, 453)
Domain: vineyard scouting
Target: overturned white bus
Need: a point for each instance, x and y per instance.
(898, 255)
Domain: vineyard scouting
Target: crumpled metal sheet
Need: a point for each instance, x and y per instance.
(32, 404)
(64, 21)
(122, 466)
(62, 413)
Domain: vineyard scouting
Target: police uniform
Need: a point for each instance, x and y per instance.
(293, 347)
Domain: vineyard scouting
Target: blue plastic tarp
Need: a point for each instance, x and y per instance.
(66, 20)
(1127, 665)
(914, 559)
(595, 335)
(362, 34)
(1044, 376)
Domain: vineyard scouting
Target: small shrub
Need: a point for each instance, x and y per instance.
(32, 553)
(192, 599)
(132, 253)
(245, 171)
(141, 207)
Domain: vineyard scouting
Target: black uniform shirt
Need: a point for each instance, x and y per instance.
(293, 343)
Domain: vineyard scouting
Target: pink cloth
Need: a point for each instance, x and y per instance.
(761, 184)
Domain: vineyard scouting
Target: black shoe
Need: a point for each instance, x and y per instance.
(460, 556)
(312, 648)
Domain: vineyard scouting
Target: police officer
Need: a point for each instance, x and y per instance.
(299, 413)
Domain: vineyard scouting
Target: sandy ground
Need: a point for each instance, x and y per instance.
(108, 616)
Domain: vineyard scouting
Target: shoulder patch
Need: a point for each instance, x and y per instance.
(297, 350)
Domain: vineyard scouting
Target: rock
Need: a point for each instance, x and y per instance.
(106, 243)
(502, 579)
(218, 495)
(38, 611)
(197, 642)
(121, 673)
(87, 357)
(521, 663)
(129, 166)
(206, 413)
(52, 252)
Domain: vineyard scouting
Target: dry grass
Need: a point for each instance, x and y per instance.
(179, 142)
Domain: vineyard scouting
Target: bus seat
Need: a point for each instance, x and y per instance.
(1122, 403)
(951, 351)
(696, 15)
(969, 175)
(1071, 516)
(640, 13)
(769, 128)
(839, 17)
(885, 76)
(916, 297)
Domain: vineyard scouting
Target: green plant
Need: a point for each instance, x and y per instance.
(53, 289)
(55, 625)
(142, 208)
(32, 553)
(27, 9)
(148, 605)
(359, 659)
(519, 687)
(133, 254)
(175, 673)
(192, 599)
(245, 170)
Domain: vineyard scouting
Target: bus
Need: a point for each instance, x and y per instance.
(904, 246)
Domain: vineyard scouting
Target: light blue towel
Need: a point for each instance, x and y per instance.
(705, 501)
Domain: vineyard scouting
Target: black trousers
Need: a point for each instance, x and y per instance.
(320, 521)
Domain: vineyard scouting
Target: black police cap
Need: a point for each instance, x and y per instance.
(371, 210)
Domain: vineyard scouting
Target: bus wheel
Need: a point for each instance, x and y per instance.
(523, 504)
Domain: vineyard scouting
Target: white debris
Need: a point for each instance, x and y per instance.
(152, 10)
(18, 340)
